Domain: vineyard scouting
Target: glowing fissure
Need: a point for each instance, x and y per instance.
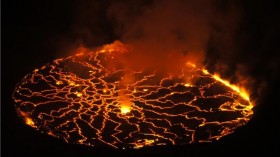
(80, 100)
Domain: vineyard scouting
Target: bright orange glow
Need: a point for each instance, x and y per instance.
(236, 88)
(78, 94)
(240, 90)
(205, 71)
(142, 143)
(187, 85)
(72, 83)
(59, 82)
(125, 107)
(29, 121)
(145, 90)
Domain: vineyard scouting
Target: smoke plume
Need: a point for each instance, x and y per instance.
(225, 36)
(166, 34)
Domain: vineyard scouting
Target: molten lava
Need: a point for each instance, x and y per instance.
(125, 107)
(84, 99)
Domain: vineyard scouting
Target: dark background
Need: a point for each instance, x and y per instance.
(35, 32)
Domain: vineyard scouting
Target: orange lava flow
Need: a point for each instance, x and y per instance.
(80, 100)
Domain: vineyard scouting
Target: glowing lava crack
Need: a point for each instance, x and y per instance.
(81, 101)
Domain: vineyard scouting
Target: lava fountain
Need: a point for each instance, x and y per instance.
(82, 100)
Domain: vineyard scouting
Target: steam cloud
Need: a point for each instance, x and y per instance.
(169, 33)
(165, 34)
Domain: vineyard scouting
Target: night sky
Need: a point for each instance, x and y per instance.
(37, 32)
